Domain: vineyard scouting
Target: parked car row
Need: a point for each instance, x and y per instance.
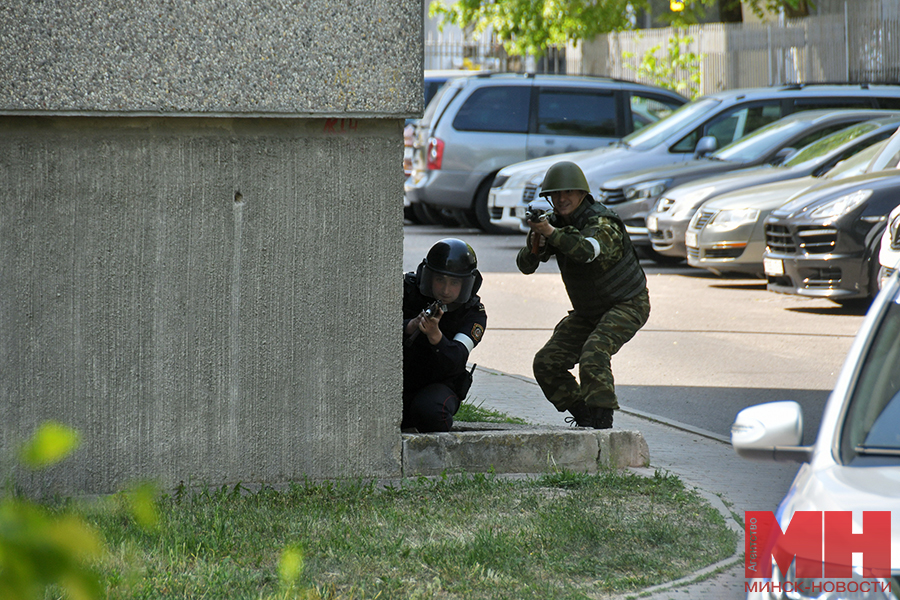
(693, 131)
(816, 234)
(792, 183)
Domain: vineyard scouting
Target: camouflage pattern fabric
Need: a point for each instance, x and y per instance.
(590, 344)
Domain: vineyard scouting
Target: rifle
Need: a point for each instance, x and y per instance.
(429, 311)
(537, 211)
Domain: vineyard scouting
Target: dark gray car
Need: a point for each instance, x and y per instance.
(825, 242)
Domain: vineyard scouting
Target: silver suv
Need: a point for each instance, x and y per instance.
(476, 125)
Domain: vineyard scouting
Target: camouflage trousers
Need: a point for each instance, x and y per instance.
(590, 344)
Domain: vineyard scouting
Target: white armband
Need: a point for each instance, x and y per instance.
(465, 341)
(596, 246)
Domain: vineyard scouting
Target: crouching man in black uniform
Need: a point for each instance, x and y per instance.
(443, 320)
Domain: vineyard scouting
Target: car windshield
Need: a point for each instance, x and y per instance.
(757, 144)
(872, 425)
(856, 164)
(692, 113)
(888, 158)
(813, 152)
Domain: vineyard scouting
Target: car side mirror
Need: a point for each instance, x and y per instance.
(770, 431)
(705, 145)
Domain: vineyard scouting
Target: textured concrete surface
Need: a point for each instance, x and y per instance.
(357, 58)
(503, 448)
(201, 298)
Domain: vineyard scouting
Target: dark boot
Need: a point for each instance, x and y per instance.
(601, 418)
(581, 415)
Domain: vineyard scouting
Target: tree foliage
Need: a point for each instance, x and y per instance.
(663, 71)
(531, 26)
(43, 548)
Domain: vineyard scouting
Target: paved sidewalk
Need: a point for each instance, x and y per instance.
(703, 460)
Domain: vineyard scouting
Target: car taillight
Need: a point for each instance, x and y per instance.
(435, 154)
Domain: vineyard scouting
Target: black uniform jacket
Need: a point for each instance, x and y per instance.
(463, 327)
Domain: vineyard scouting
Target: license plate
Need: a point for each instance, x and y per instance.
(652, 223)
(773, 266)
(690, 239)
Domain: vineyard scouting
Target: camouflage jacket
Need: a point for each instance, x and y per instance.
(596, 258)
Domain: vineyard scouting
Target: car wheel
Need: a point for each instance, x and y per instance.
(442, 216)
(429, 215)
(465, 218)
(409, 214)
(481, 211)
(423, 215)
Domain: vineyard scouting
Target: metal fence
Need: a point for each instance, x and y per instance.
(454, 51)
(856, 41)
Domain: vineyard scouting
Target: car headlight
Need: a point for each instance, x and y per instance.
(499, 180)
(841, 205)
(664, 204)
(726, 220)
(687, 205)
(647, 189)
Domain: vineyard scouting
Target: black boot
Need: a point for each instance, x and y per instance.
(601, 418)
(581, 415)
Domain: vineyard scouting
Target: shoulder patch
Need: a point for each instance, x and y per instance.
(477, 332)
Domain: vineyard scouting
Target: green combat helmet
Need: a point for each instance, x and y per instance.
(563, 176)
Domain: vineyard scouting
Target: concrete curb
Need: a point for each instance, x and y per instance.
(510, 448)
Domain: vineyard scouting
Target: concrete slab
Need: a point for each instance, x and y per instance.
(509, 448)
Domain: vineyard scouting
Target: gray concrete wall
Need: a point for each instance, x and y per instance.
(200, 271)
(205, 300)
(358, 58)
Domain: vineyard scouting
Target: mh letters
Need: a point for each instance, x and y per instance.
(822, 542)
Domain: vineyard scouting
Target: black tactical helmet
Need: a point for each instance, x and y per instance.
(562, 176)
(449, 257)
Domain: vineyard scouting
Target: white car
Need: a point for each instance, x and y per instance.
(853, 466)
(889, 254)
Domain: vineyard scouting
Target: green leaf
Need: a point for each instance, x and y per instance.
(51, 443)
(290, 567)
(140, 503)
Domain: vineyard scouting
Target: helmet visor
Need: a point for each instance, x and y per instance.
(451, 289)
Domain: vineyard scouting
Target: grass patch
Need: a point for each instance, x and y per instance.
(474, 412)
(560, 536)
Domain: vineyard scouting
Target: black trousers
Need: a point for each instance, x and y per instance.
(430, 408)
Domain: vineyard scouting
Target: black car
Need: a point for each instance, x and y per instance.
(825, 242)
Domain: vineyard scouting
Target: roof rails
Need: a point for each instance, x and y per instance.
(862, 84)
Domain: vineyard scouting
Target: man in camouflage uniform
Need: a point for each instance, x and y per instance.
(607, 288)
